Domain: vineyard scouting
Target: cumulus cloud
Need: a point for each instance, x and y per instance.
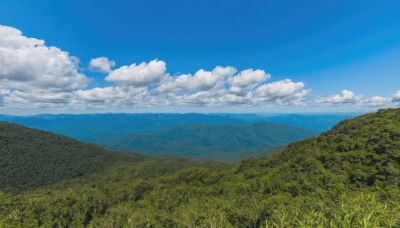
(100, 95)
(288, 93)
(33, 75)
(3, 93)
(113, 96)
(357, 101)
(37, 98)
(396, 97)
(377, 101)
(101, 64)
(247, 80)
(144, 74)
(249, 77)
(282, 92)
(202, 80)
(344, 97)
(27, 63)
(279, 89)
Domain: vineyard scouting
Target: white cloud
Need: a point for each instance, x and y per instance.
(37, 98)
(344, 97)
(281, 93)
(357, 101)
(377, 101)
(114, 96)
(249, 77)
(27, 63)
(101, 95)
(144, 74)
(247, 80)
(202, 80)
(101, 64)
(284, 90)
(3, 93)
(33, 75)
(396, 97)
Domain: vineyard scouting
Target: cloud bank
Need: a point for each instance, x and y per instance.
(350, 99)
(34, 75)
(344, 97)
(27, 63)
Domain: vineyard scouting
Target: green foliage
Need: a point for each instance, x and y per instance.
(346, 177)
(31, 158)
(357, 210)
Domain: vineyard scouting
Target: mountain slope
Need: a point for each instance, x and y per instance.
(201, 139)
(31, 158)
(346, 177)
(363, 152)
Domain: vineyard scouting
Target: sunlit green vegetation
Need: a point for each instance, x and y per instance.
(346, 177)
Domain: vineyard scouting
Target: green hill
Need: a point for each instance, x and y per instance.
(357, 153)
(31, 158)
(346, 177)
(208, 141)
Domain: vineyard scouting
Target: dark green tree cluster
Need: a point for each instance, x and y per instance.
(346, 177)
(31, 158)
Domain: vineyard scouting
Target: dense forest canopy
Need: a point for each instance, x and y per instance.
(346, 177)
(30, 158)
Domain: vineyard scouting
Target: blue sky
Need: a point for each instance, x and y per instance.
(329, 46)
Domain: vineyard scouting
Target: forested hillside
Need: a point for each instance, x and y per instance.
(31, 158)
(358, 153)
(208, 141)
(346, 177)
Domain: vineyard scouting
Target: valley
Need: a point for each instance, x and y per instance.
(338, 178)
(221, 137)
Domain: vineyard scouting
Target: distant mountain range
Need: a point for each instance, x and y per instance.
(208, 141)
(222, 137)
(88, 127)
(99, 127)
